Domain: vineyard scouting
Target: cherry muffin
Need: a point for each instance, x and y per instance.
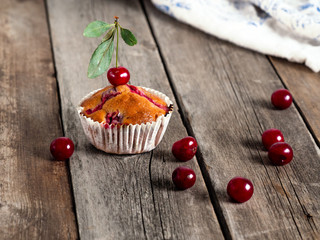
(125, 119)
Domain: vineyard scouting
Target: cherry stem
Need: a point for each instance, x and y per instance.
(117, 27)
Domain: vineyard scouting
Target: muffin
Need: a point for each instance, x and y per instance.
(125, 119)
(120, 118)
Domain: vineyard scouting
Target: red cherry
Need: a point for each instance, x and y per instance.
(271, 136)
(280, 153)
(183, 177)
(185, 149)
(281, 99)
(62, 148)
(240, 189)
(118, 76)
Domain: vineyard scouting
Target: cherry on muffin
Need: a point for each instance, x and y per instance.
(118, 76)
(102, 56)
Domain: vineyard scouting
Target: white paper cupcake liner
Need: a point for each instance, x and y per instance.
(126, 139)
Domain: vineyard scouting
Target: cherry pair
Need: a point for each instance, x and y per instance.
(184, 150)
(279, 152)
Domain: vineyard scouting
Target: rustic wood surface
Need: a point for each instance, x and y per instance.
(35, 195)
(305, 87)
(224, 93)
(222, 97)
(123, 197)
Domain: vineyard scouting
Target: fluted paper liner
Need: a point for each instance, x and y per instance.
(126, 139)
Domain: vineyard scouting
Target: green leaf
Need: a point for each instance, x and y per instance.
(128, 37)
(96, 29)
(108, 35)
(101, 58)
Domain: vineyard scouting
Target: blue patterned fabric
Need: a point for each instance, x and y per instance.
(283, 28)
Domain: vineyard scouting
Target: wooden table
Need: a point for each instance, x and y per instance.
(221, 94)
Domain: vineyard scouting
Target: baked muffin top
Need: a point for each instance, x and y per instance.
(124, 104)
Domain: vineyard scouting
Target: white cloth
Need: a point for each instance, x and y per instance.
(284, 28)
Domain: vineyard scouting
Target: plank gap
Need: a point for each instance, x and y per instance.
(55, 75)
(185, 120)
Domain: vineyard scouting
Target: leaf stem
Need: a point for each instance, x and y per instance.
(117, 26)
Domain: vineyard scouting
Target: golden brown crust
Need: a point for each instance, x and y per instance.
(124, 104)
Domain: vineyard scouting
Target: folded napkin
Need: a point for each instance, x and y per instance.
(284, 28)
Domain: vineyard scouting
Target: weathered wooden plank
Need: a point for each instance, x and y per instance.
(305, 88)
(224, 92)
(123, 197)
(35, 195)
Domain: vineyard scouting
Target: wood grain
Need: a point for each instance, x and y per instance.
(35, 196)
(123, 197)
(224, 93)
(304, 85)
